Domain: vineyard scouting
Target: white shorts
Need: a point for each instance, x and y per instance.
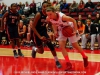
(72, 39)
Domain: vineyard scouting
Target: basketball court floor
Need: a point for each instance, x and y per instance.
(44, 64)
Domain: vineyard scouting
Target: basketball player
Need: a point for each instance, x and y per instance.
(40, 31)
(59, 20)
(13, 17)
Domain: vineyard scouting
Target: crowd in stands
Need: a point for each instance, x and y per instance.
(87, 16)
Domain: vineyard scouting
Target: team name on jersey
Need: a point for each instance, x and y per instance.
(14, 17)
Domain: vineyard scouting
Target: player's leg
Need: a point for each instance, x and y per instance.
(16, 36)
(12, 41)
(75, 44)
(62, 44)
(38, 47)
(52, 49)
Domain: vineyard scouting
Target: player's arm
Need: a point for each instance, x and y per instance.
(37, 17)
(54, 27)
(67, 18)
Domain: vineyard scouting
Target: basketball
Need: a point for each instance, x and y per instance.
(67, 31)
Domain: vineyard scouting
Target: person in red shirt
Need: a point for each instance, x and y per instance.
(33, 7)
(81, 5)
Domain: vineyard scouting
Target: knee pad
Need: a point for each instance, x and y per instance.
(50, 45)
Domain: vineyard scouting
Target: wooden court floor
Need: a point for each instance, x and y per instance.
(44, 63)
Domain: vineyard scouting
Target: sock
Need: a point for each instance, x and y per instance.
(83, 54)
(34, 48)
(56, 58)
(67, 58)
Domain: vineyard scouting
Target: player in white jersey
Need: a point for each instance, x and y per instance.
(60, 20)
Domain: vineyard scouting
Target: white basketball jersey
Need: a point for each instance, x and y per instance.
(59, 22)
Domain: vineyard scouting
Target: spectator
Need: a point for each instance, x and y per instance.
(97, 20)
(73, 6)
(33, 7)
(61, 2)
(25, 20)
(20, 10)
(89, 4)
(20, 4)
(97, 8)
(49, 3)
(54, 2)
(89, 33)
(81, 27)
(4, 9)
(57, 6)
(97, 23)
(26, 9)
(80, 18)
(81, 5)
(64, 5)
(22, 30)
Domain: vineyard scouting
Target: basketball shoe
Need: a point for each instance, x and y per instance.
(33, 52)
(20, 53)
(15, 54)
(69, 66)
(58, 64)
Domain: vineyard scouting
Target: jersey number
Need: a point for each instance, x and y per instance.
(13, 20)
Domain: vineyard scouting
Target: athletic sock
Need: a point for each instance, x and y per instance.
(56, 58)
(83, 54)
(67, 58)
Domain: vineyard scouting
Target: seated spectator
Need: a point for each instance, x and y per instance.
(80, 18)
(20, 10)
(89, 33)
(97, 8)
(97, 23)
(30, 33)
(81, 27)
(25, 20)
(22, 30)
(20, 4)
(64, 5)
(89, 5)
(89, 16)
(49, 3)
(4, 9)
(54, 2)
(57, 6)
(81, 5)
(73, 6)
(97, 20)
(61, 2)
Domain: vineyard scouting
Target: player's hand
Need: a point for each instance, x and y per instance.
(43, 38)
(87, 35)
